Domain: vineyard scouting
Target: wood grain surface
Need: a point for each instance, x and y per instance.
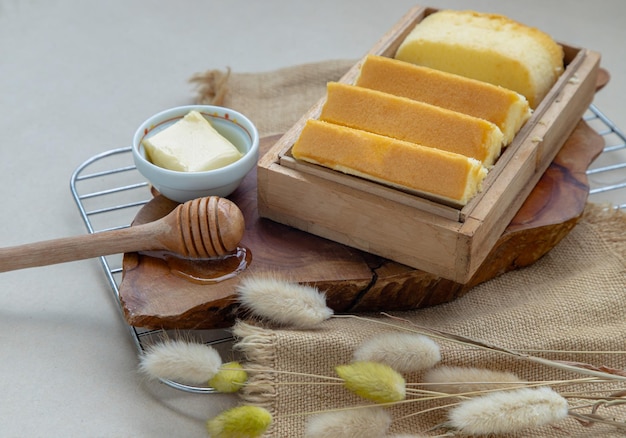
(161, 292)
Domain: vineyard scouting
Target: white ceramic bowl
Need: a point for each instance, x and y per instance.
(184, 186)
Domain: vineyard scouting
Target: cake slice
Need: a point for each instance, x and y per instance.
(412, 121)
(486, 47)
(506, 109)
(442, 175)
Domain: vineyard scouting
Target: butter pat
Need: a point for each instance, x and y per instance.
(190, 145)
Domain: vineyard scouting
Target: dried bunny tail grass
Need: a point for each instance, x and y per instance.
(373, 381)
(458, 380)
(508, 411)
(404, 352)
(231, 377)
(577, 367)
(182, 361)
(367, 422)
(240, 422)
(283, 302)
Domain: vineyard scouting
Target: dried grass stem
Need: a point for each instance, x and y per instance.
(576, 367)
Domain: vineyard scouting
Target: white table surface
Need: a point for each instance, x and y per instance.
(76, 78)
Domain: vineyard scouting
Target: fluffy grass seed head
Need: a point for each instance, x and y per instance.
(182, 361)
(457, 380)
(229, 378)
(404, 352)
(240, 422)
(371, 422)
(290, 304)
(373, 381)
(508, 411)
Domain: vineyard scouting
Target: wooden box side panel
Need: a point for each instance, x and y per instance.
(567, 106)
(564, 107)
(492, 219)
(360, 220)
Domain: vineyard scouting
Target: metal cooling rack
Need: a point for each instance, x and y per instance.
(607, 174)
(109, 192)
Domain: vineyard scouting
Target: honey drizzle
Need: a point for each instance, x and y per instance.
(206, 271)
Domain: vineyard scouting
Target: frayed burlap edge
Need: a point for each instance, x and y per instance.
(211, 86)
(257, 345)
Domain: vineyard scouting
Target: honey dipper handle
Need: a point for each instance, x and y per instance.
(66, 249)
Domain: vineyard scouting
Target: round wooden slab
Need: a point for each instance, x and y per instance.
(161, 292)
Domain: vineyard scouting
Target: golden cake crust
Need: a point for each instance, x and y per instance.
(488, 47)
(412, 121)
(505, 108)
(446, 176)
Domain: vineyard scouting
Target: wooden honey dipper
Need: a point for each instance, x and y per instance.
(198, 229)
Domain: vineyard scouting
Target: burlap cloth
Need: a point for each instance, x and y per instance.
(573, 299)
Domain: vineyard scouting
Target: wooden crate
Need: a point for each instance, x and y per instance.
(443, 240)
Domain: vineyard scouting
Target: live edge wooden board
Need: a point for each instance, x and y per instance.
(449, 242)
(154, 295)
(522, 215)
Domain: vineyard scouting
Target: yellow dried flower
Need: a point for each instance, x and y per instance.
(240, 422)
(229, 378)
(373, 381)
